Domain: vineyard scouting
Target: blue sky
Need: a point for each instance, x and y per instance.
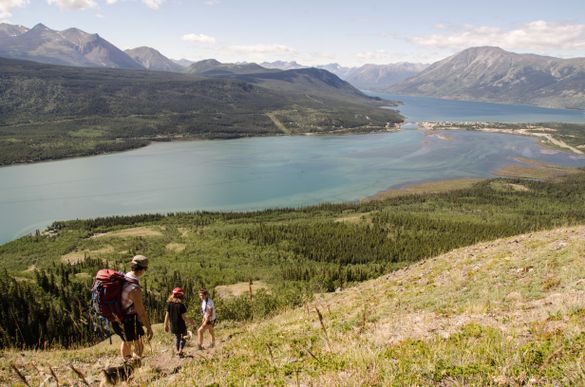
(318, 31)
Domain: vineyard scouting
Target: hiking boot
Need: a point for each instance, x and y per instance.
(181, 355)
(200, 347)
(212, 345)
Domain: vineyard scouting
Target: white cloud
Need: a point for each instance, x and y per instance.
(211, 3)
(198, 38)
(536, 35)
(6, 7)
(73, 4)
(154, 4)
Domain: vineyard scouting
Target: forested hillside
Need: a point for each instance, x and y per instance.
(52, 112)
(297, 252)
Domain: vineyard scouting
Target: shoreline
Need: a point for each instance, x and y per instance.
(524, 168)
(541, 132)
(362, 130)
(529, 130)
(423, 187)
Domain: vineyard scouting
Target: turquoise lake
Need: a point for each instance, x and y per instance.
(251, 173)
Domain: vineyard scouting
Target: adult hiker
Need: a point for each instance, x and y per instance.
(176, 319)
(208, 321)
(135, 317)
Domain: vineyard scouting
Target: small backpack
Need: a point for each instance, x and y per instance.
(106, 294)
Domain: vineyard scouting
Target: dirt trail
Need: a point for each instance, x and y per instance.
(278, 123)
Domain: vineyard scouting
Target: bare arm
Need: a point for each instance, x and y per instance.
(136, 297)
(207, 315)
(166, 324)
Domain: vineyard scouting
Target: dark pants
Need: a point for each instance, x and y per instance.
(180, 341)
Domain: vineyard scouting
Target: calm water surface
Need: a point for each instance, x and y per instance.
(434, 109)
(249, 174)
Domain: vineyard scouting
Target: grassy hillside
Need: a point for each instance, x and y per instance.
(295, 252)
(504, 312)
(52, 112)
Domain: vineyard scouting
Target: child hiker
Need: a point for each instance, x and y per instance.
(208, 321)
(176, 319)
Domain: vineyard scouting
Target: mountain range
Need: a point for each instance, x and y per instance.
(69, 47)
(488, 74)
(77, 48)
(494, 75)
(367, 77)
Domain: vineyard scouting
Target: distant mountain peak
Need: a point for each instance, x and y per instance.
(10, 30)
(493, 74)
(209, 62)
(72, 47)
(40, 26)
(213, 67)
(152, 59)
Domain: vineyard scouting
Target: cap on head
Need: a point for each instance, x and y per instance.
(140, 261)
(178, 292)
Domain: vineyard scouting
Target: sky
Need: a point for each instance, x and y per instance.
(314, 32)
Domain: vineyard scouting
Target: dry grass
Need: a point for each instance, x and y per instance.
(533, 169)
(505, 186)
(133, 232)
(507, 312)
(79, 256)
(426, 187)
(503, 296)
(239, 289)
(176, 247)
(356, 218)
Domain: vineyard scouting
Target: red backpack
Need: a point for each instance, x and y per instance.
(106, 294)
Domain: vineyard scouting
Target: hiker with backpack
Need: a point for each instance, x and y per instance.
(117, 303)
(135, 317)
(176, 319)
(208, 321)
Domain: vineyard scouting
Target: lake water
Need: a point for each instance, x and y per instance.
(435, 109)
(250, 173)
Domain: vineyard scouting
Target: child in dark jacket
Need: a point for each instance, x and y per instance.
(176, 319)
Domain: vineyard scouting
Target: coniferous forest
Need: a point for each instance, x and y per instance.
(46, 277)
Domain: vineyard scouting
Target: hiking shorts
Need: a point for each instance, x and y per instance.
(130, 329)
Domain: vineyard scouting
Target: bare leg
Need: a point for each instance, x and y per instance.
(212, 335)
(138, 347)
(200, 335)
(125, 350)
